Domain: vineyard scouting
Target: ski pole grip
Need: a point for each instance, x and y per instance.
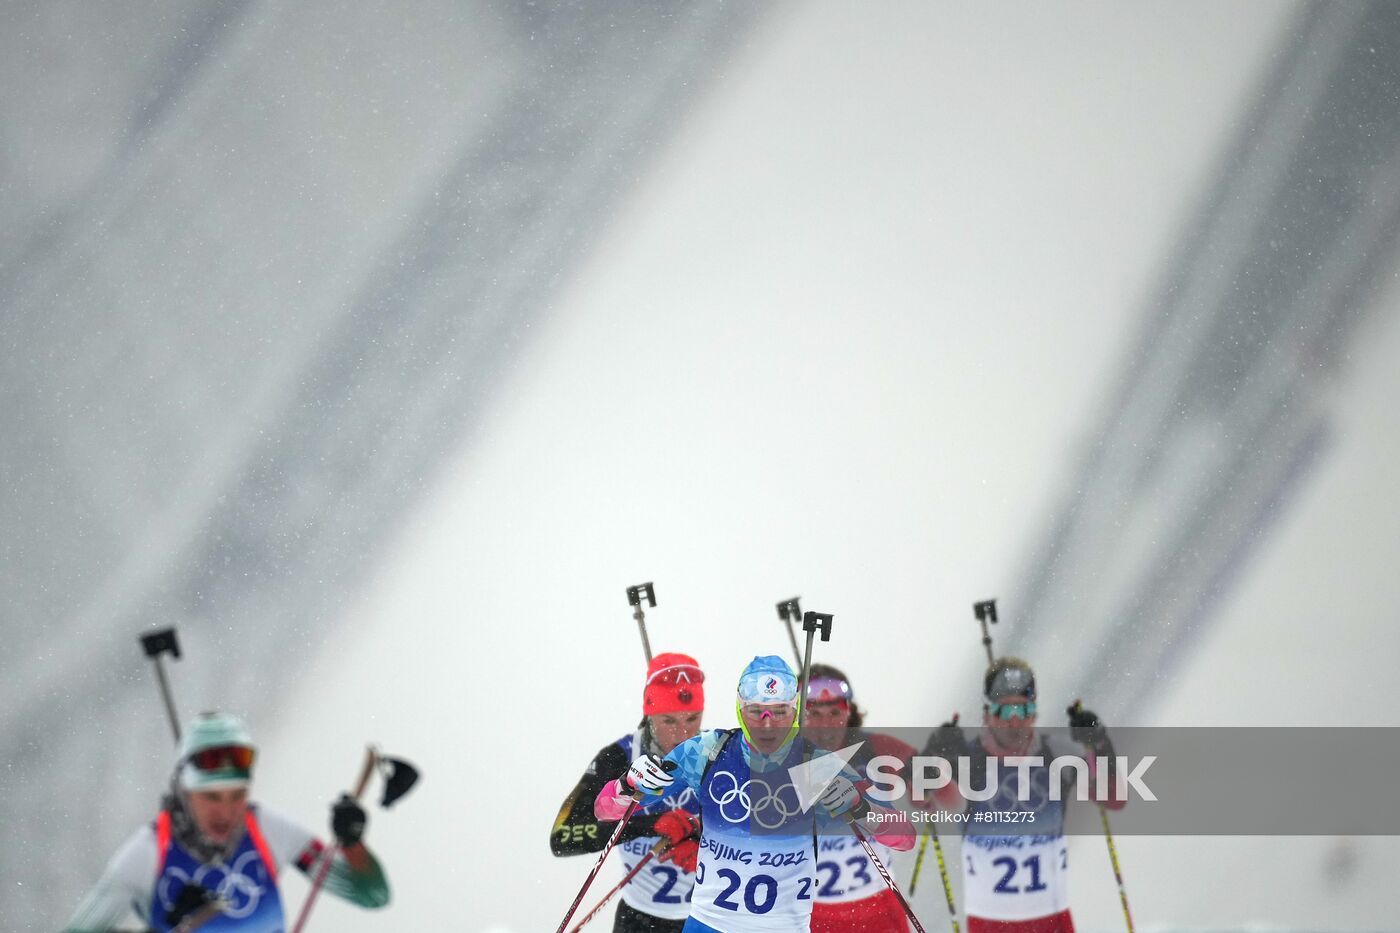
(790, 610)
(635, 595)
(986, 611)
(159, 642)
(667, 765)
(817, 622)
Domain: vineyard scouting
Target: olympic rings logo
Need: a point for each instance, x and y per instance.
(239, 892)
(774, 807)
(1008, 792)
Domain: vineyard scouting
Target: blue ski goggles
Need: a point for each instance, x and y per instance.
(1012, 710)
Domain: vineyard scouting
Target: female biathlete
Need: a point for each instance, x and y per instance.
(757, 865)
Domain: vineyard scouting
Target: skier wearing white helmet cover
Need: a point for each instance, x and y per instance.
(211, 851)
(756, 867)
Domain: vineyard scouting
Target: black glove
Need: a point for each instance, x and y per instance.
(192, 898)
(1084, 727)
(347, 821)
(947, 742)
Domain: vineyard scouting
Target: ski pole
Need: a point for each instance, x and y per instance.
(156, 644)
(790, 611)
(661, 846)
(602, 856)
(885, 874)
(918, 865)
(942, 873)
(371, 756)
(1108, 838)
(947, 884)
(986, 611)
(811, 623)
(669, 766)
(942, 867)
(635, 595)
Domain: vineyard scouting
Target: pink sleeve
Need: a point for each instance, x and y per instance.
(895, 831)
(611, 802)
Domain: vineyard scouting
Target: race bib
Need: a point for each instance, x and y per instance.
(660, 888)
(754, 883)
(845, 872)
(1015, 877)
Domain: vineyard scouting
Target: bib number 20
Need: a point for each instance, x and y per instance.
(759, 894)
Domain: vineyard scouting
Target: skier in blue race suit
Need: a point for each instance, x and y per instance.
(212, 854)
(756, 867)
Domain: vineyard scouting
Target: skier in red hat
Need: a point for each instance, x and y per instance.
(657, 899)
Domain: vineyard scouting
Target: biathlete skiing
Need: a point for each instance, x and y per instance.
(851, 897)
(756, 871)
(1018, 883)
(657, 898)
(211, 858)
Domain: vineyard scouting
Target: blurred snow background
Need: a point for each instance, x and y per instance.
(380, 350)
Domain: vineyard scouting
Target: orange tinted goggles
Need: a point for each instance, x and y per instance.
(227, 756)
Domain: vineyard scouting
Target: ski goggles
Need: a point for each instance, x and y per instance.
(778, 712)
(236, 757)
(1012, 710)
(828, 690)
(767, 687)
(677, 674)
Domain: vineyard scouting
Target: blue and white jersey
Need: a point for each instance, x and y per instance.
(661, 889)
(247, 882)
(756, 870)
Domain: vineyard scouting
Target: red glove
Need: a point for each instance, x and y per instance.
(677, 825)
(684, 855)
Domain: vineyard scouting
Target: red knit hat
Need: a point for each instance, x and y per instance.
(675, 684)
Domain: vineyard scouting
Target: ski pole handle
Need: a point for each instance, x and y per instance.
(790, 611)
(371, 756)
(635, 596)
(155, 644)
(986, 612)
(201, 917)
(812, 622)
